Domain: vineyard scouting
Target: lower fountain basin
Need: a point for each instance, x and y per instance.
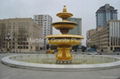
(64, 39)
(47, 62)
(68, 42)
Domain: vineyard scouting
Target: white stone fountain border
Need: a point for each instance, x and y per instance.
(53, 67)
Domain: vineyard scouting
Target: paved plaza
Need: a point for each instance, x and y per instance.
(17, 73)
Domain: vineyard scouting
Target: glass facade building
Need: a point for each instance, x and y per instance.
(78, 29)
(104, 14)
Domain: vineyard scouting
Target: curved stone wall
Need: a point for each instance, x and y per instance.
(24, 61)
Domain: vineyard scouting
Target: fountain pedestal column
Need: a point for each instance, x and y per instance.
(64, 55)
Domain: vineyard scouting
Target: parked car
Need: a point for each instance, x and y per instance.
(91, 51)
(116, 52)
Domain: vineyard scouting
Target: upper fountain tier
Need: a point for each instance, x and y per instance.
(64, 14)
(64, 26)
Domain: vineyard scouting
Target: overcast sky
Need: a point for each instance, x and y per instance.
(84, 9)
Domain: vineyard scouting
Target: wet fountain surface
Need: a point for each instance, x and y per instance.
(50, 59)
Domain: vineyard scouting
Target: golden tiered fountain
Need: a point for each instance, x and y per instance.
(64, 41)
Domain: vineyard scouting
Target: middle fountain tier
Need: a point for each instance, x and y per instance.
(64, 41)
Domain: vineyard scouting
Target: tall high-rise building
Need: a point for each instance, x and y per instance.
(104, 14)
(19, 35)
(78, 29)
(44, 21)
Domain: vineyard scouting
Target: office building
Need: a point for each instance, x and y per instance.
(114, 34)
(104, 14)
(19, 35)
(78, 29)
(89, 35)
(106, 38)
(44, 22)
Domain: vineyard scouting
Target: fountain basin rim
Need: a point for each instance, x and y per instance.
(64, 22)
(64, 14)
(65, 36)
(21, 64)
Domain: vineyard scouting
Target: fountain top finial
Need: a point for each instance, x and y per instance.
(64, 14)
(65, 8)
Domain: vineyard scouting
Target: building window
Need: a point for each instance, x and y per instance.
(26, 47)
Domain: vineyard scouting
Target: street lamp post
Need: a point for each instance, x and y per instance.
(8, 38)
